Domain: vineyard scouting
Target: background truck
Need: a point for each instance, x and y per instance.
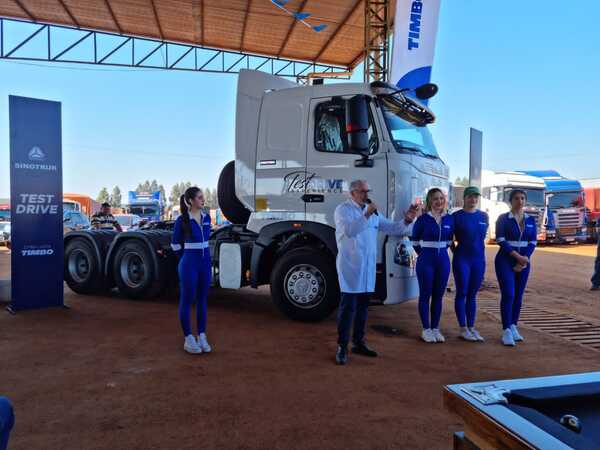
(147, 205)
(565, 200)
(297, 150)
(495, 192)
(87, 205)
(591, 187)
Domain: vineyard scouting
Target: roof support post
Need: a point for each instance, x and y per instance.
(376, 52)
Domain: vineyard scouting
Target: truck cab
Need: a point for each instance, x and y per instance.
(565, 200)
(495, 193)
(295, 161)
(147, 205)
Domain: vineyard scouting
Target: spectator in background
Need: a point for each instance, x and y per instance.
(104, 220)
(596, 276)
(7, 421)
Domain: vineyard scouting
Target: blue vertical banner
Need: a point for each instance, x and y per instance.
(36, 203)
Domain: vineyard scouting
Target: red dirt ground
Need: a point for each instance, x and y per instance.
(109, 373)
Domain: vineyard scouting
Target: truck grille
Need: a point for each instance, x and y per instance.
(566, 220)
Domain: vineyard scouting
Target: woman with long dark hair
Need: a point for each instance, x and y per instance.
(190, 242)
(516, 234)
(432, 235)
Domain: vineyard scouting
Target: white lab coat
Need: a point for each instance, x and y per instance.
(357, 245)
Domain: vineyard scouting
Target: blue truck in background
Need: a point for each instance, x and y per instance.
(566, 216)
(148, 205)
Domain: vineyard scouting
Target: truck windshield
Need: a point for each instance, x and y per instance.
(406, 136)
(566, 200)
(143, 210)
(4, 214)
(535, 197)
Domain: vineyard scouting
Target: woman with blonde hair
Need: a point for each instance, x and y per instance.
(432, 235)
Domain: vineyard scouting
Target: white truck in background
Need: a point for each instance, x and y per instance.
(297, 150)
(495, 192)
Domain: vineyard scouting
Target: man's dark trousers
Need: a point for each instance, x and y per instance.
(596, 276)
(352, 307)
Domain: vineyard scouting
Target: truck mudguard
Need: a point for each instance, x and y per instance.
(296, 230)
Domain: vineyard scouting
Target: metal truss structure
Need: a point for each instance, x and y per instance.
(33, 41)
(377, 32)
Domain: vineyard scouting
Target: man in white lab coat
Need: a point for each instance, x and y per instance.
(357, 223)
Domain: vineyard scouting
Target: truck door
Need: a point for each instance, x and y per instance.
(281, 156)
(330, 167)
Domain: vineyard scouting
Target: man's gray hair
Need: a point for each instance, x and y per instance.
(356, 184)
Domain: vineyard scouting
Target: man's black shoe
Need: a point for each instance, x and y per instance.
(595, 288)
(361, 348)
(341, 356)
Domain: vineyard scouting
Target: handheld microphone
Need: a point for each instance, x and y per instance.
(368, 202)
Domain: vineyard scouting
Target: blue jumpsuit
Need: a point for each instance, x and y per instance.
(194, 270)
(431, 242)
(468, 263)
(512, 284)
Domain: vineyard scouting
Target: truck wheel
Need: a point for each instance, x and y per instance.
(304, 284)
(83, 271)
(231, 206)
(133, 271)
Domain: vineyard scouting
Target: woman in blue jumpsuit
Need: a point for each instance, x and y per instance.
(432, 235)
(516, 235)
(190, 242)
(468, 263)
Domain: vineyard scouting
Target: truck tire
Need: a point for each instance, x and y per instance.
(231, 206)
(83, 271)
(133, 271)
(304, 284)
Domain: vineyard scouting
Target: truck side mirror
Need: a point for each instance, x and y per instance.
(426, 91)
(357, 124)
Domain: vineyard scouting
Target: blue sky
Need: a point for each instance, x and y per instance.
(526, 73)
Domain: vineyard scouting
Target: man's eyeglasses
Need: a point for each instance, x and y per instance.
(363, 191)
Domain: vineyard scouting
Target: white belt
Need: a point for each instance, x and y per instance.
(190, 246)
(520, 243)
(432, 244)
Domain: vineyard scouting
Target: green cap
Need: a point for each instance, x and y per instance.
(471, 190)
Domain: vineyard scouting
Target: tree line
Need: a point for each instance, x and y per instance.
(115, 197)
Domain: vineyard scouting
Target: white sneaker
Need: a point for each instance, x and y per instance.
(507, 338)
(427, 335)
(439, 337)
(466, 334)
(515, 332)
(476, 335)
(203, 343)
(190, 345)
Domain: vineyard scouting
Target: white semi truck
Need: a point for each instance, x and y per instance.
(496, 188)
(297, 150)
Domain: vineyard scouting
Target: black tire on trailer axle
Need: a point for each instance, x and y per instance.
(231, 206)
(83, 271)
(133, 271)
(304, 284)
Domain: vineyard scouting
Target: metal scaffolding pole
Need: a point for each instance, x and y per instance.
(377, 29)
(33, 41)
